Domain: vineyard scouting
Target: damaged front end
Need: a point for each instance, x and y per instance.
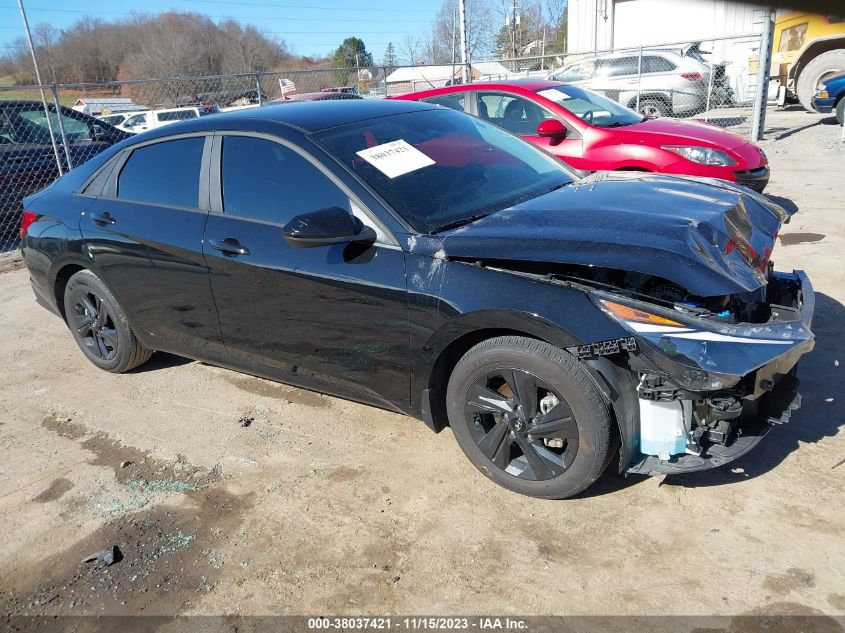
(710, 334)
(714, 374)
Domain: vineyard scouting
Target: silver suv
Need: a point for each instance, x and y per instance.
(672, 83)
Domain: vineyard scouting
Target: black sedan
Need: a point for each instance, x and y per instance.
(27, 156)
(417, 259)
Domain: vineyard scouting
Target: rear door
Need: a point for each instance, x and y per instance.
(144, 233)
(331, 315)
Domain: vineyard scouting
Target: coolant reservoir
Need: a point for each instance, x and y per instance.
(664, 427)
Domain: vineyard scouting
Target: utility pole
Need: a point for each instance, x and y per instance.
(466, 73)
(513, 31)
(41, 88)
(764, 62)
(454, 45)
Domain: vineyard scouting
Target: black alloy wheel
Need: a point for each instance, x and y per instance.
(93, 323)
(530, 417)
(99, 325)
(521, 424)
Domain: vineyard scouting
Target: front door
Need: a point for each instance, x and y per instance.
(332, 316)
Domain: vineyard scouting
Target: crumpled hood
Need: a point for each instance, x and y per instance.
(708, 236)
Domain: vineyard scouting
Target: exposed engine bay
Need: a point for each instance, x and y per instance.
(773, 301)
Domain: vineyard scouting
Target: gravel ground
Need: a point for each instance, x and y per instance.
(326, 506)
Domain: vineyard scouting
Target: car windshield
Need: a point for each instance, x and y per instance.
(440, 168)
(590, 106)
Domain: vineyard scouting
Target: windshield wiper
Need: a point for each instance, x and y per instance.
(456, 223)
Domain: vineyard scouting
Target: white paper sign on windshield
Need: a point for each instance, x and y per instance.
(395, 158)
(553, 94)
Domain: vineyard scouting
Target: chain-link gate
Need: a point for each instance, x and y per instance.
(48, 130)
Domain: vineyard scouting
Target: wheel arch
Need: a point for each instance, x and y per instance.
(815, 48)
(616, 385)
(60, 281)
(651, 96)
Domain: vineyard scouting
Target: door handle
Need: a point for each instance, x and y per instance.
(103, 219)
(230, 246)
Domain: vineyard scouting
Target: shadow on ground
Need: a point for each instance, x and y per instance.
(161, 360)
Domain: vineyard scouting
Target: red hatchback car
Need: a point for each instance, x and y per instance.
(591, 132)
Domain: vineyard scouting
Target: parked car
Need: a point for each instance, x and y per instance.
(325, 95)
(115, 119)
(671, 83)
(27, 158)
(151, 119)
(431, 263)
(591, 132)
(830, 96)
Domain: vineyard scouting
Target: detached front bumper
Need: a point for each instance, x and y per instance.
(756, 364)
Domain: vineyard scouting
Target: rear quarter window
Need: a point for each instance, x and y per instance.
(657, 64)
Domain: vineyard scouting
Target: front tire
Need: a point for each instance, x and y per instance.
(529, 417)
(99, 325)
(840, 111)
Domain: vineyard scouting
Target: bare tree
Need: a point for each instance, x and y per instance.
(481, 28)
(167, 45)
(410, 49)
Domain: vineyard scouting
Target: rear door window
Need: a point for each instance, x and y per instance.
(619, 67)
(166, 173)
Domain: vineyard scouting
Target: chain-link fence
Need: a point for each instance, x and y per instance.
(48, 130)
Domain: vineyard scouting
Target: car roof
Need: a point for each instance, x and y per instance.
(619, 54)
(308, 116)
(527, 84)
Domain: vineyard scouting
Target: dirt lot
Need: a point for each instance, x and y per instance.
(326, 506)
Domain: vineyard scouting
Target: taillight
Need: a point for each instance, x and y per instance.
(691, 76)
(27, 218)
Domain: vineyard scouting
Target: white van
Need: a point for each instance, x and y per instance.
(151, 119)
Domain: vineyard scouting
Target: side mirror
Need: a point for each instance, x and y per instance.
(322, 227)
(99, 134)
(551, 128)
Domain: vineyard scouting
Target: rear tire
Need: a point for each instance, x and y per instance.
(654, 108)
(495, 401)
(819, 67)
(99, 325)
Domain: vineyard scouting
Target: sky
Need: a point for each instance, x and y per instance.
(308, 26)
